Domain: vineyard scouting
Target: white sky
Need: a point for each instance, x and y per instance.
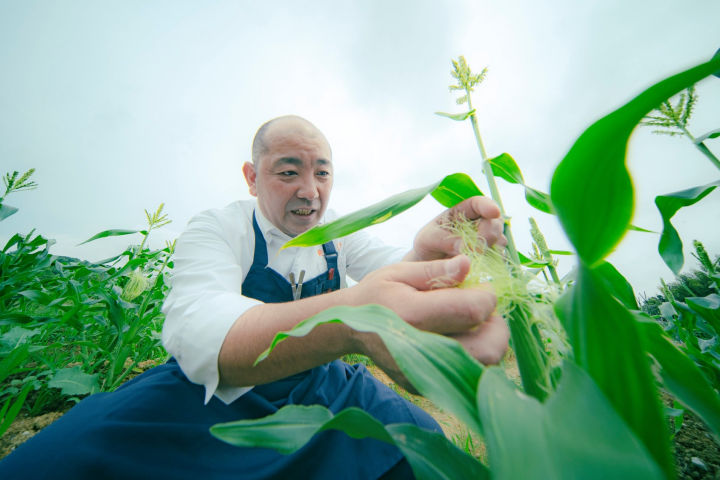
(123, 105)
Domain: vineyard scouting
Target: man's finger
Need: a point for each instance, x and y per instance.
(454, 310)
(487, 343)
(476, 207)
(492, 232)
(428, 275)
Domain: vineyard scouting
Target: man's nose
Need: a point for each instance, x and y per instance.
(308, 189)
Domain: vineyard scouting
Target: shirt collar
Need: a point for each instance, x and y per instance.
(268, 229)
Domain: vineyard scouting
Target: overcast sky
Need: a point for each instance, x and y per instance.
(123, 105)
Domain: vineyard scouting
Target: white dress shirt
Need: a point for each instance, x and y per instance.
(212, 257)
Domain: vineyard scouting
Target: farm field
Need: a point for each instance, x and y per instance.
(581, 342)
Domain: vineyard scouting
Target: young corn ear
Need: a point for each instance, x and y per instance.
(136, 285)
(513, 286)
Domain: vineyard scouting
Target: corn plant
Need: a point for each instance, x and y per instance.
(673, 120)
(603, 417)
(693, 321)
(70, 327)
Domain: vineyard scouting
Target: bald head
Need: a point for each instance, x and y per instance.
(291, 173)
(280, 127)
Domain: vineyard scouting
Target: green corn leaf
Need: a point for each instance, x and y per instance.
(708, 308)
(561, 252)
(539, 200)
(9, 412)
(707, 136)
(285, 431)
(530, 263)
(596, 323)
(574, 434)
(670, 245)
(14, 240)
(617, 285)
(455, 188)
(450, 191)
(115, 312)
(459, 117)
(640, 229)
(36, 296)
(430, 454)
(591, 189)
(6, 211)
(437, 366)
(112, 233)
(73, 381)
(505, 167)
(10, 363)
(680, 375)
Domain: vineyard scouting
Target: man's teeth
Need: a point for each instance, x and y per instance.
(303, 211)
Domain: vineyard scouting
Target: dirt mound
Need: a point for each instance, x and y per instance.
(22, 429)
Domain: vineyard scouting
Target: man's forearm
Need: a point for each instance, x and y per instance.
(253, 332)
(405, 288)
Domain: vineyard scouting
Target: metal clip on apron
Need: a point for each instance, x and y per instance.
(157, 426)
(265, 284)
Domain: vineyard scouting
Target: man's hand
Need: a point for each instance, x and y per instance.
(466, 315)
(407, 288)
(433, 241)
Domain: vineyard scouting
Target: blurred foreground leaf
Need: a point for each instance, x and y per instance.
(430, 454)
(596, 322)
(591, 189)
(437, 366)
(575, 434)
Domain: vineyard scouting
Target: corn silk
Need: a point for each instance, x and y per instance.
(513, 285)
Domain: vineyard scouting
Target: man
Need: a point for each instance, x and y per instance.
(230, 296)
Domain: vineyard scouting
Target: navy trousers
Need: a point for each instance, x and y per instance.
(157, 427)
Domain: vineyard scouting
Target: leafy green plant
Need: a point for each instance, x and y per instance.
(690, 314)
(673, 120)
(616, 352)
(69, 327)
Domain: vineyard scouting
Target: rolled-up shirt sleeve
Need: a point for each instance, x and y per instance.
(205, 297)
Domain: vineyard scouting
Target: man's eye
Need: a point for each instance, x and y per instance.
(323, 173)
(288, 173)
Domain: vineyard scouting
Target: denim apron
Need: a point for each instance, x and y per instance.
(156, 426)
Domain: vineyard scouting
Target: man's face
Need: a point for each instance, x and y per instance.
(292, 180)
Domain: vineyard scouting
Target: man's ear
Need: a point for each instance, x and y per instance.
(249, 173)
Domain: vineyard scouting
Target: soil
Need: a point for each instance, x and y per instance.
(22, 429)
(697, 455)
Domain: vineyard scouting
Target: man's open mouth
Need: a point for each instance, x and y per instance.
(303, 211)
